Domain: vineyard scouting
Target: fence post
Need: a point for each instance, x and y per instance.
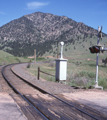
(35, 56)
(38, 72)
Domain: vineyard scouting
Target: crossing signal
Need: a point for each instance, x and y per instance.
(94, 49)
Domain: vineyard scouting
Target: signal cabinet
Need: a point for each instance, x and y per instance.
(61, 69)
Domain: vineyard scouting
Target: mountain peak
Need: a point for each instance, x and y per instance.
(39, 27)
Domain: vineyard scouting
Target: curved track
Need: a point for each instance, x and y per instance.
(46, 105)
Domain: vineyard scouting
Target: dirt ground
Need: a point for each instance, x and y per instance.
(96, 99)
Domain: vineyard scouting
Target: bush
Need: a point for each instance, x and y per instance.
(86, 74)
(102, 82)
(28, 66)
(83, 78)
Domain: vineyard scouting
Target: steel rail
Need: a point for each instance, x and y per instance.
(16, 91)
(56, 97)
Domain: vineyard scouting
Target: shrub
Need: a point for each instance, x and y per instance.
(28, 66)
(82, 78)
(86, 74)
(102, 82)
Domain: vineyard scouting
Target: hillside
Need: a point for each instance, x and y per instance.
(40, 31)
(6, 58)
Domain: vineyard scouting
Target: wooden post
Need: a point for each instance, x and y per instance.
(38, 72)
(35, 55)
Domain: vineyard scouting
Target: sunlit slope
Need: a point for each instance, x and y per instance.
(79, 50)
(6, 58)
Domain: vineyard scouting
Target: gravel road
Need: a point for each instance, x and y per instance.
(49, 86)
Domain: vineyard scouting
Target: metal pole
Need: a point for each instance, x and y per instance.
(61, 52)
(96, 82)
(97, 57)
(61, 43)
(104, 49)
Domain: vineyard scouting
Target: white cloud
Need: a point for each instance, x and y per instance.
(35, 5)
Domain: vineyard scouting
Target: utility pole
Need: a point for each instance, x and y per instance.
(35, 56)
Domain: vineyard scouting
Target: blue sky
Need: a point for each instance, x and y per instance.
(91, 12)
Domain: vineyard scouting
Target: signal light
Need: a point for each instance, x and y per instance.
(94, 49)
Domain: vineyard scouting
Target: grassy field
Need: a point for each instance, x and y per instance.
(78, 74)
(6, 58)
(81, 66)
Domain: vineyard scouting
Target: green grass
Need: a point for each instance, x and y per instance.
(81, 51)
(6, 58)
(46, 67)
(76, 76)
(81, 68)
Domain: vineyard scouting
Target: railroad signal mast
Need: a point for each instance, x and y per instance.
(97, 49)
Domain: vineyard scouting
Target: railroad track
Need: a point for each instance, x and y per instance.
(39, 104)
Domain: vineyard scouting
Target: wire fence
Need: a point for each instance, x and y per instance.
(43, 72)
